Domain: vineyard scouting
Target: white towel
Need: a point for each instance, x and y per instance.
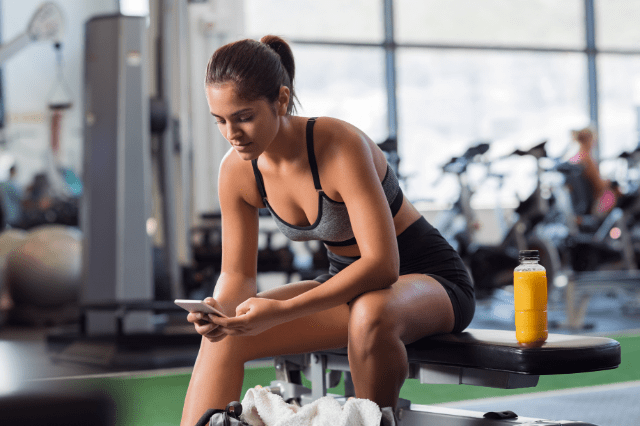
(263, 408)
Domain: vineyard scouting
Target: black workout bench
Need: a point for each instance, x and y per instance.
(490, 358)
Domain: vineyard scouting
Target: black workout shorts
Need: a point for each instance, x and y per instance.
(423, 250)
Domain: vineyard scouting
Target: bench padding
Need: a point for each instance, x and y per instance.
(499, 350)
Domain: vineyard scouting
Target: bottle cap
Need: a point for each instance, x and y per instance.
(529, 254)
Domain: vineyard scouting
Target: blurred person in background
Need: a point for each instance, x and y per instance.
(12, 197)
(605, 194)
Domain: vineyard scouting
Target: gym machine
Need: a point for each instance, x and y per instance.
(116, 206)
(46, 24)
(136, 128)
(490, 358)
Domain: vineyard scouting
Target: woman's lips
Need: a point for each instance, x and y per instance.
(241, 147)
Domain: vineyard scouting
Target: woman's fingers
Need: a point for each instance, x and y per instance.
(212, 318)
(215, 332)
(215, 335)
(213, 303)
(243, 308)
(236, 322)
(216, 328)
(202, 324)
(205, 328)
(230, 331)
(194, 317)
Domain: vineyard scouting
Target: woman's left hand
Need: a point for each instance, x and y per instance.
(253, 316)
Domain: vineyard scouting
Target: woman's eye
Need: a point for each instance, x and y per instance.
(245, 119)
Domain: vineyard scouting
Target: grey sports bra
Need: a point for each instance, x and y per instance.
(332, 225)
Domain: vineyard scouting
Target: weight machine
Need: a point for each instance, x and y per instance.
(136, 141)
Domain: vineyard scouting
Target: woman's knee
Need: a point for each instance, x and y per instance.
(371, 320)
(231, 348)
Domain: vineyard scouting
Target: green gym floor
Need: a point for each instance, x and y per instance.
(155, 398)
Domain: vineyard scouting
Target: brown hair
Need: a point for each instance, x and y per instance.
(583, 135)
(257, 68)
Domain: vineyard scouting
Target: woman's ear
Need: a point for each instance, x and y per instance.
(283, 100)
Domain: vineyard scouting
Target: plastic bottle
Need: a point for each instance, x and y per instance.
(530, 297)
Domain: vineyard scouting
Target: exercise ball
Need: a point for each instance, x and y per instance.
(45, 269)
(9, 239)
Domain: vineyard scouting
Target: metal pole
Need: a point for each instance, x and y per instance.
(2, 118)
(390, 69)
(166, 16)
(591, 67)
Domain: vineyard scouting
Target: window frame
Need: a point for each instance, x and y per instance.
(390, 46)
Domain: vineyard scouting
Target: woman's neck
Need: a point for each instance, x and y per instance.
(288, 145)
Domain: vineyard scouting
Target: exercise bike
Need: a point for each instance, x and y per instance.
(491, 266)
(459, 224)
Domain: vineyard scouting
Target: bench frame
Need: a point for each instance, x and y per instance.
(325, 369)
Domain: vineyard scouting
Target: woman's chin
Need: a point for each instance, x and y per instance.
(248, 156)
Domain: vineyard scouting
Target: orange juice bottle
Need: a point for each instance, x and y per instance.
(530, 297)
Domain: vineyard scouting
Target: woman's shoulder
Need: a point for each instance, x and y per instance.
(338, 136)
(334, 127)
(232, 163)
(236, 176)
(341, 148)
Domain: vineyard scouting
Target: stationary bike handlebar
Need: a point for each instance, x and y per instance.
(458, 165)
(538, 151)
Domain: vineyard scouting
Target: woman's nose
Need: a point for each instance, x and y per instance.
(233, 132)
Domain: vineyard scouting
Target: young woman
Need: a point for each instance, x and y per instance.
(393, 278)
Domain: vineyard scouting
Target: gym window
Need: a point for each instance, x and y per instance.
(441, 76)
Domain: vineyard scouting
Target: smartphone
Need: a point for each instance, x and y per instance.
(198, 306)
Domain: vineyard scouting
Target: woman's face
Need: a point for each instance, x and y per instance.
(249, 126)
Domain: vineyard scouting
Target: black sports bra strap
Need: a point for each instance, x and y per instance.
(259, 181)
(312, 155)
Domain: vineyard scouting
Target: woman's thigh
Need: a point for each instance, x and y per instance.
(321, 330)
(414, 307)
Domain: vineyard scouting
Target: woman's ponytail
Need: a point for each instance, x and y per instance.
(283, 50)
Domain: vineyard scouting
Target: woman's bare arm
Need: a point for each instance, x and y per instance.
(347, 165)
(237, 280)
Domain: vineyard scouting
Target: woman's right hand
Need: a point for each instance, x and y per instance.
(202, 324)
